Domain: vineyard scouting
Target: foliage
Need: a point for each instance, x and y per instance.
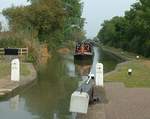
(10, 40)
(50, 21)
(131, 32)
(0, 26)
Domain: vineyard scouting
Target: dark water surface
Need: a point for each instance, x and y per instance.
(49, 98)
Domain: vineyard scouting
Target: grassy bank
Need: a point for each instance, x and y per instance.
(6, 69)
(121, 53)
(141, 70)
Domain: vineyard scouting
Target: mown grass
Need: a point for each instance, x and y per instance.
(5, 69)
(140, 76)
(25, 71)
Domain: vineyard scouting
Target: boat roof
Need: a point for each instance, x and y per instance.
(84, 41)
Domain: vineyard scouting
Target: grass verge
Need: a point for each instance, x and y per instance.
(141, 71)
(5, 69)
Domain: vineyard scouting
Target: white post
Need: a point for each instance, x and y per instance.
(79, 102)
(15, 70)
(129, 72)
(137, 57)
(99, 74)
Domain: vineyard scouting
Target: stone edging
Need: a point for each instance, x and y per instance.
(125, 61)
(10, 88)
(116, 68)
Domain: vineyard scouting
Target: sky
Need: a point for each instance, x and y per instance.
(8, 3)
(95, 12)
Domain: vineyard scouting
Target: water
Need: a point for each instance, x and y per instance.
(49, 98)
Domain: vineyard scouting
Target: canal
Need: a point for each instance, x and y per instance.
(49, 97)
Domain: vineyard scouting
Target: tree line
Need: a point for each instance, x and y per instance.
(130, 32)
(49, 21)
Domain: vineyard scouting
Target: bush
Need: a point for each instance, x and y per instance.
(11, 41)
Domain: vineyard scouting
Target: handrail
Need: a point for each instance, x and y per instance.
(21, 51)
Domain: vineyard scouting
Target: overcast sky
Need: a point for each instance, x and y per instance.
(95, 11)
(8, 3)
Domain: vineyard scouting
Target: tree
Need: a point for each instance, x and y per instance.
(0, 26)
(47, 18)
(131, 32)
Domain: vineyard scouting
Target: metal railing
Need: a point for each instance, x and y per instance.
(2, 51)
(21, 51)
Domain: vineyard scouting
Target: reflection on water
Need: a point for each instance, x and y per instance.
(83, 67)
(83, 70)
(95, 60)
(49, 97)
(14, 103)
(109, 60)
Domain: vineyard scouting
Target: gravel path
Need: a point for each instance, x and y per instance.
(123, 103)
(127, 103)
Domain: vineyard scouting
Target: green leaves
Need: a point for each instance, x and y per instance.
(131, 32)
(0, 26)
(46, 18)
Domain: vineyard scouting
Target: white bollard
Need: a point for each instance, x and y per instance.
(79, 102)
(15, 70)
(129, 72)
(137, 57)
(99, 74)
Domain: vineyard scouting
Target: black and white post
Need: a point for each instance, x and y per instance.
(99, 75)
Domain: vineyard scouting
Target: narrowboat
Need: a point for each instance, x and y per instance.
(84, 50)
